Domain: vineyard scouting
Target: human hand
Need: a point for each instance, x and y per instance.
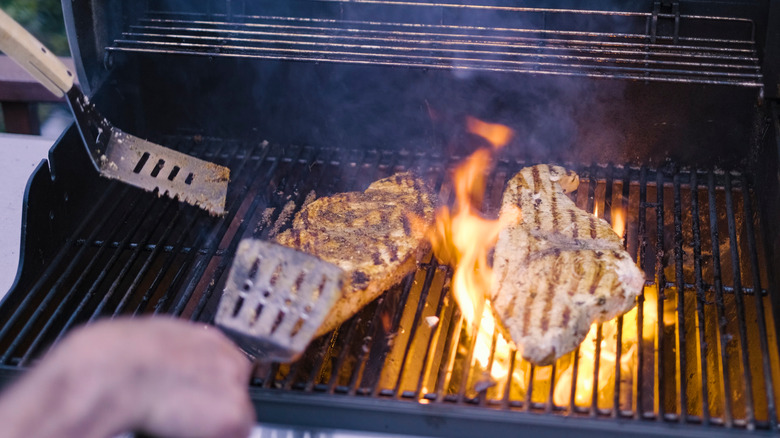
(158, 375)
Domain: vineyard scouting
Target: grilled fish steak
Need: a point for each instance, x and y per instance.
(559, 269)
(372, 235)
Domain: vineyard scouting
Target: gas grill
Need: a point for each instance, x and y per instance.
(666, 110)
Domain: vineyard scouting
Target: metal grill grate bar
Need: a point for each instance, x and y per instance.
(700, 299)
(218, 228)
(141, 272)
(742, 326)
(608, 54)
(308, 27)
(761, 319)
(243, 182)
(640, 259)
(33, 294)
(682, 387)
(626, 53)
(725, 381)
(81, 282)
(660, 280)
(50, 296)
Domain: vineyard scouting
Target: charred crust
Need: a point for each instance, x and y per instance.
(597, 278)
(376, 258)
(406, 225)
(566, 316)
(536, 201)
(296, 237)
(529, 301)
(360, 280)
(305, 217)
(537, 178)
(393, 249)
(549, 359)
(575, 229)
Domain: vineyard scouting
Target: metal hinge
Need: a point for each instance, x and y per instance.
(665, 20)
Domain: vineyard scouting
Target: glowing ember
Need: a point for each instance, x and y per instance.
(619, 223)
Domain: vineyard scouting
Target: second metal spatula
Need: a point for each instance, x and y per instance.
(116, 154)
(276, 298)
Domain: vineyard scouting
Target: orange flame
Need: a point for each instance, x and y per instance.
(583, 394)
(498, 135)
(463, 237)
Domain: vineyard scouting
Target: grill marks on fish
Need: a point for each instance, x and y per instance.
(548, 298)
(551, 280)
(368, 234)
(575, 231)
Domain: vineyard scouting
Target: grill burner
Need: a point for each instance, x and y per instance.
(708, 358)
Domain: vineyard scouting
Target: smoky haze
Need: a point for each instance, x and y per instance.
(368, 104)
(425, 108)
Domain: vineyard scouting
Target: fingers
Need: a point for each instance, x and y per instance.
(201, 413)
(175, 378)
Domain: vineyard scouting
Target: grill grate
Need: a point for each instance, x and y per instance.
(698, 349)
(649, 46)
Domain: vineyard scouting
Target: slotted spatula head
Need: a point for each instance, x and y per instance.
(141, 163)
(276, 298)
(114, 153)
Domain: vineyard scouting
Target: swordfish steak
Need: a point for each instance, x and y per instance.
(559, 269)
(371, 235)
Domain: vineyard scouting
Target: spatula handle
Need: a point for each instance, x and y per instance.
(33, 56)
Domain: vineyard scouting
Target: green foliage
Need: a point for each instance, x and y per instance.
(43, 18)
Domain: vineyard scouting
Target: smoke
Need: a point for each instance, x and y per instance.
(405, 77)
(416, 108)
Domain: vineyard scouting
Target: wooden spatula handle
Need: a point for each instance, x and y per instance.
(33, 56)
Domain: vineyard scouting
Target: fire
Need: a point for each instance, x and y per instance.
(498, 135)
(583, 394)
(463, 237)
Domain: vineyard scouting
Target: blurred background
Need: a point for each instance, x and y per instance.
(21, 112)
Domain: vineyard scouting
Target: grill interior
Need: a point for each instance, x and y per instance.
(659, 107)
(698, 349)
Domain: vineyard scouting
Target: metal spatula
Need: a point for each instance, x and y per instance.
(116, 154)
(276, 298)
